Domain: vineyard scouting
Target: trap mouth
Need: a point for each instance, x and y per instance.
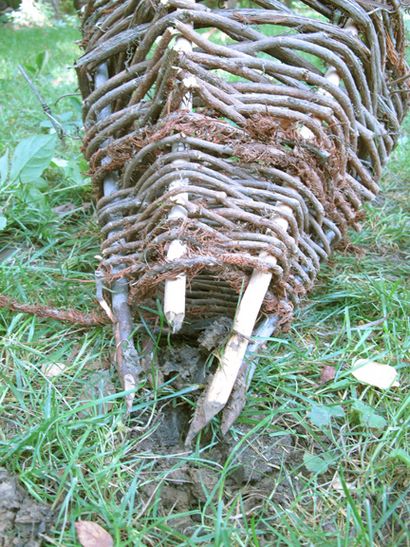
(210, 301)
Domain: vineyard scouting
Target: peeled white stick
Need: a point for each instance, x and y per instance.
(248, 310)
(175, 289)
(220, 388)
(224, 379)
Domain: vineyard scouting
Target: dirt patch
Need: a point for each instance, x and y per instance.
(21, 518)
(247, 462)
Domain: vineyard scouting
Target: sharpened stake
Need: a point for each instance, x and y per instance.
(175, 289)
(220, 388)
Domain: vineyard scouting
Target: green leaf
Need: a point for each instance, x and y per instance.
(71, 169)
(3, 222)
(40, 183)
(31, 157)
(59, 162)
(42, 60)
(401, 455)
(315, 464)
(72, 172)
(321, 415)
(35, 197)
(4, 167)
(368, 417)
(31, 69)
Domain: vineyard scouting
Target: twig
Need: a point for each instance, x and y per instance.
(70, 316)
(46, 109)
(65, 96)
(127, 358)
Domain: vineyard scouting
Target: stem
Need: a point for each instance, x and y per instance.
(127, 359)
(46, 109)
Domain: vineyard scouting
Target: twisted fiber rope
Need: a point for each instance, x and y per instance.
(242, 152)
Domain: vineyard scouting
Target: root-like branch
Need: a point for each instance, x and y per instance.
(70, 316)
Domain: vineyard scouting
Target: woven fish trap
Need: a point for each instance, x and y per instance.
(251, 136)
(231, 149)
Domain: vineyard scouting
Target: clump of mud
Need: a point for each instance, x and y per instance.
(21, 518)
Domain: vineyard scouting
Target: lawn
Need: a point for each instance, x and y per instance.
(340, 475)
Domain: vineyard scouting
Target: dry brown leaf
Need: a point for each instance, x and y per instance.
(375, 374)
(91, 534)
(327, 374)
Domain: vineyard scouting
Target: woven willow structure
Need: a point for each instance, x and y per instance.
(250, 136)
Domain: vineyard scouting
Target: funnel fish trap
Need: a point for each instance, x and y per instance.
(231, 149)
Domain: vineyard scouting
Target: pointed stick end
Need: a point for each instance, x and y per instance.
(175, 321)
(204, 413)
(129, 382)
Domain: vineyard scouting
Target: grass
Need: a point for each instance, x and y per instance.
(73, 448)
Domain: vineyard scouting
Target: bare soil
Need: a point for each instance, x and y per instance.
(181, 484)
(22, 518)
